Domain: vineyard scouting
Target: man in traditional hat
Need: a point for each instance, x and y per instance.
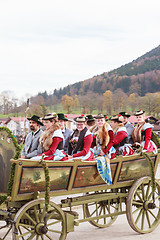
(62, 119)
(90, 121)
(128, 125)
(32, 146)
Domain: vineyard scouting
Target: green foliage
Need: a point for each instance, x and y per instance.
(155, 139)
(10, 135)
(11, 179)
(17, 155)
(151, 170)
(2, 198)
(47, 182)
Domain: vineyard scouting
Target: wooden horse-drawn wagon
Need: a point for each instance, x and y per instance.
(29, 214)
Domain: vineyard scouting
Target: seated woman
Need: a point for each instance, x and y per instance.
(120, 141)
(102, 135)
(51, 139)
(142, 133)
(80, 141)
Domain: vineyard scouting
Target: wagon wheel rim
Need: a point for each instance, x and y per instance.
(99, 208)
(140, 215)
(32, 222)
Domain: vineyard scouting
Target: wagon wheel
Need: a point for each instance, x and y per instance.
(99, 208)
(32, 222)
(142, 213)
(6, 232)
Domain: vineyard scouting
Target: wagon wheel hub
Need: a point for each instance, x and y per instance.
(41, 228)
(103, 203)
(149, 205)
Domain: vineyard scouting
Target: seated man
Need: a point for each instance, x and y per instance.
(65, 131)
(128, 126)
(90, 121)
(32, 146)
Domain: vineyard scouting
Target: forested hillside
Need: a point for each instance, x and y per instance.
(128, 88)
(141, 76)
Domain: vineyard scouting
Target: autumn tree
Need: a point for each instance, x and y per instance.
(8, 102)
(99, 103)
(36, 109)
(157, 108)
(67, 103)
(119, 100)
(107, 101)
(76, 101)
(88, 102)
(133, 101)
(149, 103)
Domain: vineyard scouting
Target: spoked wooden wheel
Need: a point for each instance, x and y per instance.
(33, 222)
(143, 213)
(98, 209)
(5, 231)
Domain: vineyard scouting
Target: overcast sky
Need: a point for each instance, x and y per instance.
(48, 44)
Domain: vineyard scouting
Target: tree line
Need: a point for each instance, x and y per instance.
(91, 103)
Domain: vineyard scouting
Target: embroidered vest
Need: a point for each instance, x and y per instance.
(80, 143)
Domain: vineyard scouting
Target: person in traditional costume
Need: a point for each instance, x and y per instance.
(102, 135)
(120, 141)
(128, 125)
(142, 133)
(102, 140)
(80, 141)
(32, 146)
(52, 139)
(62, 119)
(90, 121)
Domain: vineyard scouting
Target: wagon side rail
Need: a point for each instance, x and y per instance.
(76, 176)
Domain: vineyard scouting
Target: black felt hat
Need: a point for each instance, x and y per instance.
(125, 114)
(61, 116)
(90, 118)
(35, 118)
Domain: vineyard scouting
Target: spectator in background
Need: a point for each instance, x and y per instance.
(32, 146)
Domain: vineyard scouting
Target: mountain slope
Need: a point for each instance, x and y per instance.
(141, 75)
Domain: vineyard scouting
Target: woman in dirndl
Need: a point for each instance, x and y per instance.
(142, 133)
(102, 135)
(80, 141)
(102, 143)
(120, 142)
(52, 139)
